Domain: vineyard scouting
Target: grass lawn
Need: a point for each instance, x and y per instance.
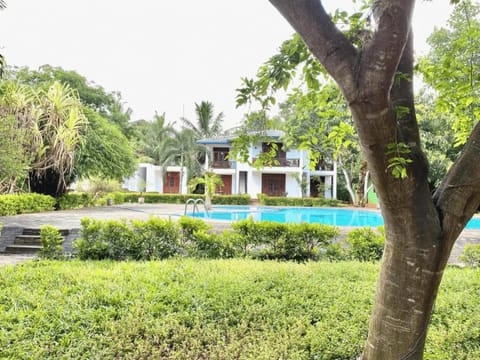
(223, 309)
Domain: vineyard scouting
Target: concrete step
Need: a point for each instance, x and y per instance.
(28, 231)
(22, 249)
(36, 232)
(27, 240)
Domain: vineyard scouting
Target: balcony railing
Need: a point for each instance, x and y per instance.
(284, 162)
(222, 164)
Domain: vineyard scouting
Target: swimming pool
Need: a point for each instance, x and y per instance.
(328, 216)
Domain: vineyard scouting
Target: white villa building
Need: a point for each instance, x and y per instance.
(153, 178)
(284, 179)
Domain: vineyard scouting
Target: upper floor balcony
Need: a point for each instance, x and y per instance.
(283, 162)
(223, 164)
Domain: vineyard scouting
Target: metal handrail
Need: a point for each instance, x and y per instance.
(195, 206)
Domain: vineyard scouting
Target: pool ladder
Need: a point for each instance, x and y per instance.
(195, 203)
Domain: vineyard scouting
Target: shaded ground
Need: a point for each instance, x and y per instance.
(71, 219)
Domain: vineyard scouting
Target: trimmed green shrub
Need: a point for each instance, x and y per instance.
(139, 240)
(271, 240)
(246, 235)
(188, 227)
(211, 245)
(197, 240)
(117, 197)
(91, 245)
(52, 242)
(157, 238)
(303, 241)
(471, 255)
(365, 244)
(121, 240)
(25, 203)
(154, 198)
(287, 201)
(334, 252)
(75, 200)
(231, 199)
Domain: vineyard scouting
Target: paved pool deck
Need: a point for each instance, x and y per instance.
(70, 219)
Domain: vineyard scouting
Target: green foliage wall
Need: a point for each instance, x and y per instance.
(25, 203)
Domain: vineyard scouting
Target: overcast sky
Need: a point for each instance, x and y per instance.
(162, 55)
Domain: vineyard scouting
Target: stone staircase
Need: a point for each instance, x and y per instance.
(28, 243)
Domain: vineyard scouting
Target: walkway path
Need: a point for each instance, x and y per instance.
(70, 219)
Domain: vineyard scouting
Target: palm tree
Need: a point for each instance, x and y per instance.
(182, 149)
(153, 138)
(207, 124)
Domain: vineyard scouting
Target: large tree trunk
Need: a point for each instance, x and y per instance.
(420, 229)
(362, 188)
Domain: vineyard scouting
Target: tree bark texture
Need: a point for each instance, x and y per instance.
(421, 229)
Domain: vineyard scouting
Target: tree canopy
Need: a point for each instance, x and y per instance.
(83, 130)
(452, 66)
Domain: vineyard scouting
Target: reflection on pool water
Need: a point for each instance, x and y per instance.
(328, 216)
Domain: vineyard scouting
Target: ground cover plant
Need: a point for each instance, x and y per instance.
(212, 309)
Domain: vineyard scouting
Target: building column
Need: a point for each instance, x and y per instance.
(334, 192)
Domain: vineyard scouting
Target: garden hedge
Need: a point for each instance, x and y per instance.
(25, 203)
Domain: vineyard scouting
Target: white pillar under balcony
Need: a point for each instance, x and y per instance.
(334, 194)
(207, 156)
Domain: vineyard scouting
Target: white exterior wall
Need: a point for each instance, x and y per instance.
(292, 187)
(153, 181)
(131, 184)
(254, 184)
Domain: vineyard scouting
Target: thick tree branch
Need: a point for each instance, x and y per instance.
(334, 51)
(458, 197)
(402, 96)
(382, 54)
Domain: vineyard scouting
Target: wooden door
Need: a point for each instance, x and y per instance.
(226, 188)
(273, 184)
(172, 183)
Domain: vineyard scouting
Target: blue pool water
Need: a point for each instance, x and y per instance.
(328, 216)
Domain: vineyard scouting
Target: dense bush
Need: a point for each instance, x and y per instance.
(188, 227)
(471, 255)
(287, 201)
(212, 245)
(158, 198)
(140, 240)
(157, 238)
(75, 200)
(91, 244)
(271, 240)
(25, 203)
(222, 309)
(52, 242)
(198, 240)
(231, 199)
(365, 244)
